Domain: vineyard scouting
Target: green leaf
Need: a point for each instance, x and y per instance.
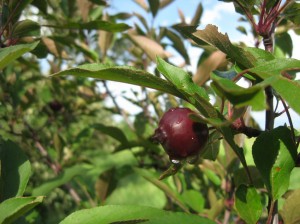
(11, 53)
(13, 208)
(127, 192)
(285, 42)
(41, 5)
(212, 36)
(94, 25)
(294, 180)
(154, 6)
(239, 96)
(248, 204)
(194, 200)
(289, 90)
(275, 67)
(260, 55)
(124, 74)
(290, 210)
(197, 16)
(25, 28)
(183, 82)
(67, 175)
(178, 44)
(15, 170)
(113, 160)
(274, 154)
(131, 214)
(240, 177)
(151, 177)
(114, 132)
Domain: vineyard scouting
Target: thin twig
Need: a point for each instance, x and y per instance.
(289, 118)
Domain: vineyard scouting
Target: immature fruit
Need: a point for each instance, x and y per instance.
(180, 136)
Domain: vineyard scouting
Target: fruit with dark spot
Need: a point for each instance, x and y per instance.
(180, 136)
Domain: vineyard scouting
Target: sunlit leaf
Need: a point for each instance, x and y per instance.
(131, 214)
(184, 83)
(94, 25)
(248, 204)
(124, 74)
(126, 192)
(11, 53)
(13, 208)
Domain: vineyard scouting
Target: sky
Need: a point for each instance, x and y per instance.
(216, 12)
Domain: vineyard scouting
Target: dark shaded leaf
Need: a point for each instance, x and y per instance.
(154, 6)
(178, 44)
(274, 154)
(196, 18)
(25, 28)
(239, 96)
(15, 170)
(285, 42)
(212, 36)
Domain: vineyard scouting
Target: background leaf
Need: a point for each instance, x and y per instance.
(290, 210)
(134, 189)
(154, 6)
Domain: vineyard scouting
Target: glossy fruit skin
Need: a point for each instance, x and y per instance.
(180, 136)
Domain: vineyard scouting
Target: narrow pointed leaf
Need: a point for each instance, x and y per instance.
(13, 208)
(123, 74)
(178, 44)
(196, 19)
(131, 214)
(154, 6)
(94, 25)
(11, 53)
